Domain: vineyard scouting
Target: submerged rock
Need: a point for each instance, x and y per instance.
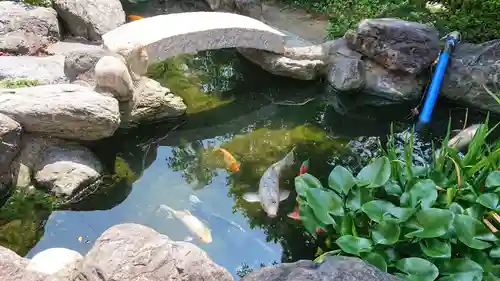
(63, 167)
(396, 44)
(26, 29)
(64, 110)
(152, 102)
(471, 67)
(333, 268)
(45, 70)
(128, 252)
(53, 260)
(90, 19)
(10, 140)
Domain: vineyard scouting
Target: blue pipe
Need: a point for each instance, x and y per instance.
(432, 94)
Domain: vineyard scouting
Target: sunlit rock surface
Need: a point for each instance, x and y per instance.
(52, 260)
(192, 32)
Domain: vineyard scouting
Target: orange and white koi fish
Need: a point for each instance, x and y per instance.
(134, 17)
(231, 164)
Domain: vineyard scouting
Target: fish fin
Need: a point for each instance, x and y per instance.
(167, 208)
(251, 197)
(284, 194)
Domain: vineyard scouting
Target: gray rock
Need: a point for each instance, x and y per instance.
(80, 64)
(10, 140)
(64, 110)
(396, 44)
(63, 167)
(90, 19)
(79, 271)
(333, 268)
(26, 29)
(12, 267)
(69, 46)
(249, 8)
(53, 260)
(127, 251)
(346, 74)
(46, 70)
(302, 59)
(389, 86)
(152, 102)
(470, 67)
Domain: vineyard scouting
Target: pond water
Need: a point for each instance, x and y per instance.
(256, 116)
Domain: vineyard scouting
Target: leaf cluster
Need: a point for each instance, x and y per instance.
(416, 222)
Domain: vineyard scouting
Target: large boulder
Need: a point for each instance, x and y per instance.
(26, 29)
(64, 168)
(90, 19)
(151, 103)
(396, 44)
(130, 252)
(64, 110)
(391, 87)
(333, 268)
(69, 46)
(45, 70)
(13, 267)
(301, 59)
(10, 140)
(471, 68)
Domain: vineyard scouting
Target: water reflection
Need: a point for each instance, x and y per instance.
(234, 105)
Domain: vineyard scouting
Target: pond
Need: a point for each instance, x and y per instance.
(256, 116)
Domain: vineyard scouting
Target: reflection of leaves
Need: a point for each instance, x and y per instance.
(189, 158)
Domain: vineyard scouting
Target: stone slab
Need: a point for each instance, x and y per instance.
(188, 33)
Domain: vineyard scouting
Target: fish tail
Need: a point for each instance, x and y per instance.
(290, 158)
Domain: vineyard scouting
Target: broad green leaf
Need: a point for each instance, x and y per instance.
(377, 260)
(341, 180)
(305, 182)
(386, 232)
(474, 211)
(354, 245)
(472, 232)
(392, 188)
(423, 193)
(308, 219)
(357, 197)
(435, 248)
(495, 253)
(489, 200)
(324, 202)
(377, 210)
(493, 180)
(456, 208)
(430, 223)
(375, 174)
(417, 269)
(491, 277)
(460, 269)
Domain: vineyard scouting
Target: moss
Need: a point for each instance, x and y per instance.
(18, 83)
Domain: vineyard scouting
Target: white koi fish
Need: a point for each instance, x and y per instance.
(194, 225)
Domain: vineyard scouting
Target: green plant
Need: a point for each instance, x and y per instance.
(416, 222)
(18, 83)
(42, 3)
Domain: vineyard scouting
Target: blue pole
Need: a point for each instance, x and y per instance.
(437, 78)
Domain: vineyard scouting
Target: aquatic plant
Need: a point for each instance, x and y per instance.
(418, 222)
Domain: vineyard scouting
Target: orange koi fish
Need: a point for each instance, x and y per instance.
(134, 17)
(231, 163)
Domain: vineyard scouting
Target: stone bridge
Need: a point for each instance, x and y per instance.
(187, 33)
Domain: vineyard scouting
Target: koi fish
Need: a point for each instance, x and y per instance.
(464, 137)
(194, 225)
(134, 17)
(296, 212)
(269, 194)
(231, 163)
